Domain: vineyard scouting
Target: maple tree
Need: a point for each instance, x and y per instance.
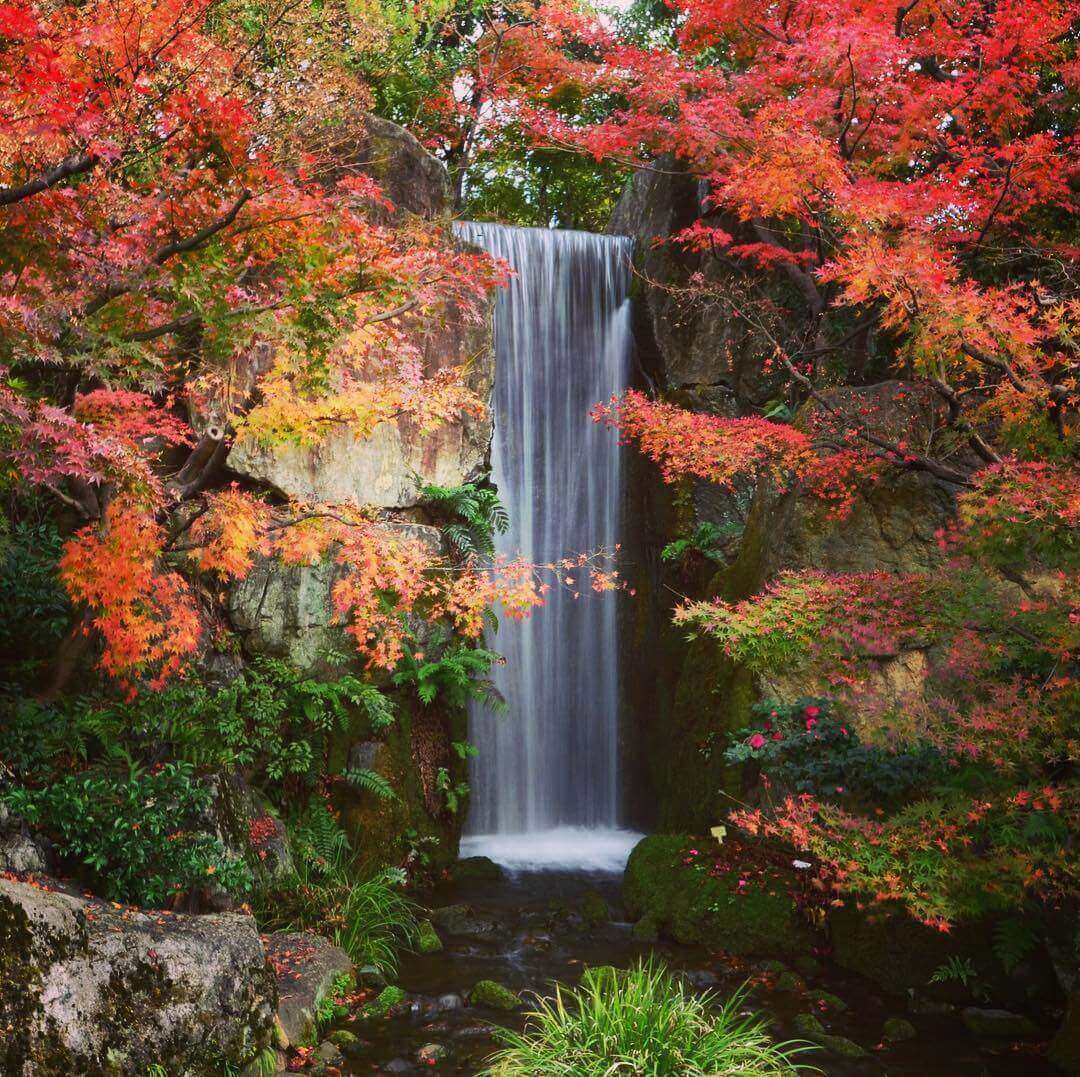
(907, 172)
(177, 271)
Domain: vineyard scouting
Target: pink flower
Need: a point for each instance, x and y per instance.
(811, 722)
(757, 741)
(812, 712)
(778, 735)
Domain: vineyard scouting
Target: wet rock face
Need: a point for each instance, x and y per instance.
(85, 986)
(379, 470)
(688, 345)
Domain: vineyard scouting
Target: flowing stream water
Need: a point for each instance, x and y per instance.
(545, 784)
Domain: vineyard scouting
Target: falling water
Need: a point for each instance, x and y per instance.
(545, 782)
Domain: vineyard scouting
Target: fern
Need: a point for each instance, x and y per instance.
(370, 782)
(457, 677)
(319, 838)
(475, 514)
(955, 970)
(1013, 941)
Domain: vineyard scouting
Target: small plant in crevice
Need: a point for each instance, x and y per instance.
(453, 793)
(642, 1020)
(706, 540)
(455, 677)
(474, 516)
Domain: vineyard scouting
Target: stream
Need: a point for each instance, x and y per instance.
(526, 930)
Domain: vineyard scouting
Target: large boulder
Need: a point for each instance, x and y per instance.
(93, 987)
(734, 907)
(381, 469)
(691, 344)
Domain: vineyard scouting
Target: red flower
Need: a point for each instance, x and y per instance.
(811, 722)
(812, 712)
(778, 735)
(757, 741)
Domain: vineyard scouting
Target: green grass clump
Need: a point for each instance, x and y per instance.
(642, 1021)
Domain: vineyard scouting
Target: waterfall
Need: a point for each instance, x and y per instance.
(545, 784)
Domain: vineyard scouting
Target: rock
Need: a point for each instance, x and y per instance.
(998, 1024)
(897, 1030)
(427, 938)
(389, 999)
(308, 969)
(21, 852)
(1064, 1049)
(476, 869)
(330, 1053)
(701, 979)
(342, 1037)
(83, 982)
(897, 952)
(458, 920)
(431, 1054)
(694, 907)
(494, 996)
(920, 1004)
(241, 819)
(645, 929)
(828, 1001)
(399, 1065)
(370, 976)
(449, 1001)
(790, 981)
(807, 1025)
(594, 909)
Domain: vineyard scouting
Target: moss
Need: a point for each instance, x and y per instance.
(897, 1030)
(594, 909)
(808, 1026)
(1064, 1049)
(384, 1002)
(427, 938)
(493, 995)
(476, 869)
(713, 697)
(693, 906)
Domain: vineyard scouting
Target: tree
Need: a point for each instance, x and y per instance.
(908, 171)
(167, 250)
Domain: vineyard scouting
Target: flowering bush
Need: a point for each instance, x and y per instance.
(805, 748)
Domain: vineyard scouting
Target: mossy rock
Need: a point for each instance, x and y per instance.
(427, 938)
(493, 995)
(809, 1027)
(898, 1029)
(790, 981)
(694, 907)
(646, 929)
(387, 999)
(1064, 1049)
(828, 1000)
(886, 945)
(476, 869)
(594, 909)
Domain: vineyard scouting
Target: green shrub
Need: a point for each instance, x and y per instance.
(35, 605)
(707, 540)
(139, 835)
(455, 677)
(371, 919)
(641, 1021)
